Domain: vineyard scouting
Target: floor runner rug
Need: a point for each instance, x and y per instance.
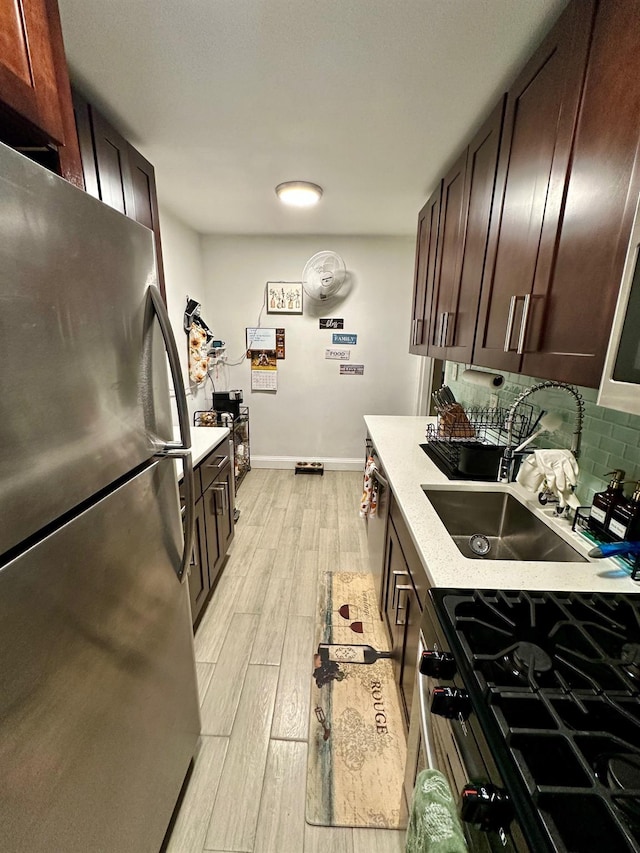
(357, 746)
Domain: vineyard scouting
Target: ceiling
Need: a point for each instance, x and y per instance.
(371, 99)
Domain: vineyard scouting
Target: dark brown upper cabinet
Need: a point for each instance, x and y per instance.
(571, 319)
(28, 83)
(533, 170)
(116, 173)
(449, 257)
(36, 114)
(425, 270)
(467, 198)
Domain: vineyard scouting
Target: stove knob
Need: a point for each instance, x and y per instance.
(486, 806)
(450, 702)
(438, 664)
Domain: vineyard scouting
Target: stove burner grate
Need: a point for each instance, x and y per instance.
(555, 684)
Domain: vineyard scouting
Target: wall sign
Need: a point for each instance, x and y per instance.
(351, 369)
(349, 340)
(338, 354)
(332, 323)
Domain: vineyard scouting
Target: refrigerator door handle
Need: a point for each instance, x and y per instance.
(181, 449)
(176, 375)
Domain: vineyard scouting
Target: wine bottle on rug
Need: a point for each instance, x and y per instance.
(350, 654)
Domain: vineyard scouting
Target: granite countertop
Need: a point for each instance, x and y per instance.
(203, 440)
(408, 468)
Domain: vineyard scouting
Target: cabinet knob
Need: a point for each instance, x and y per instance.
(486, 806)
(450, 702)
(438, 664)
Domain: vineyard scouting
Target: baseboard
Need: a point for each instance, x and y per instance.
(290, 461)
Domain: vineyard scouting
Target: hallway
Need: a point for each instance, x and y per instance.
(253, 652)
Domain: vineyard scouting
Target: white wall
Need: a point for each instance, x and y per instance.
(182, 257)
(316, 414)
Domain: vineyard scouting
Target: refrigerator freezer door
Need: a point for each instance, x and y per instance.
(84, 380)
(98, 710)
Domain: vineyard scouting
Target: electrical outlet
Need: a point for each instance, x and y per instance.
(493, 401)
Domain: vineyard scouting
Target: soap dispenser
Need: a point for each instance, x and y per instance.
(605, 502)
(624, 522)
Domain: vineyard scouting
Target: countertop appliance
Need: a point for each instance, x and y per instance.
(620, 384)
(99, 716)
(539, 696)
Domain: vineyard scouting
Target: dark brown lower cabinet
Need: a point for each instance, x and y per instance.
(404, 585)
(199, 585)
(218, 518)
(214, 524)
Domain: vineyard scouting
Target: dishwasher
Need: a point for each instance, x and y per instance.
(377, 524)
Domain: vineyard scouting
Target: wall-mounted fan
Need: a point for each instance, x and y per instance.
(323, 275)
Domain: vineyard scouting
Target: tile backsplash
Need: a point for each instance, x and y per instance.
(610, 439)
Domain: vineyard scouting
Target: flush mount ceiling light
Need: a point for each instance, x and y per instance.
(299, 193)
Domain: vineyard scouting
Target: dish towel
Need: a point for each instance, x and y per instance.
(434, 826)
(369, 502)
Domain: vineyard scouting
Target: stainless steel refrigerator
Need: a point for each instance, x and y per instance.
(99, 712)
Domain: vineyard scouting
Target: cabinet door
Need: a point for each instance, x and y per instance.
(398, 581)
(570, 323)
(28, 83)
(411, 615)
(198, 570)
(540, 119)
(425, 269)
(116, 173)
(449, 258)
(481, 166)
(225, 493)
(215, 554)
(145, 202)
(115, 186)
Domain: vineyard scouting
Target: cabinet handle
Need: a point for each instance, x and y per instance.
(414, 333)
(225, 459)
(401, 588)
(509, 332)
(445, 337)
(220, 488)
(417, 331)
(397, 574)
(524, 322)
(441, 330)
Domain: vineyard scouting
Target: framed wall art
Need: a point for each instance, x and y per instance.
(284, 297)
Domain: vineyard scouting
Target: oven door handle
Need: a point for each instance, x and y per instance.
(425, 715)
(380, 479)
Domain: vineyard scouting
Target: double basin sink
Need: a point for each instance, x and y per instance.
(496, 526)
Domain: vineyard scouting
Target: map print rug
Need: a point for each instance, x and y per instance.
(357, 747)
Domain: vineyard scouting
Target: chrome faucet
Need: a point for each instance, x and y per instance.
(505, 471)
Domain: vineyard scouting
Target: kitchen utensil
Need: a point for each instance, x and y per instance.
(443, 398)
(549, 422)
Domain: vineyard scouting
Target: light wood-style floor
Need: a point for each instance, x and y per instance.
(253, 653)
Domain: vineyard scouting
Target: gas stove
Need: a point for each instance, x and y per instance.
(553, 680)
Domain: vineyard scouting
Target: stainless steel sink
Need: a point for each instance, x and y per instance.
(505, 526)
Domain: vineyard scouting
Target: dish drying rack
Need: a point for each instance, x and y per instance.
(458, 427)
